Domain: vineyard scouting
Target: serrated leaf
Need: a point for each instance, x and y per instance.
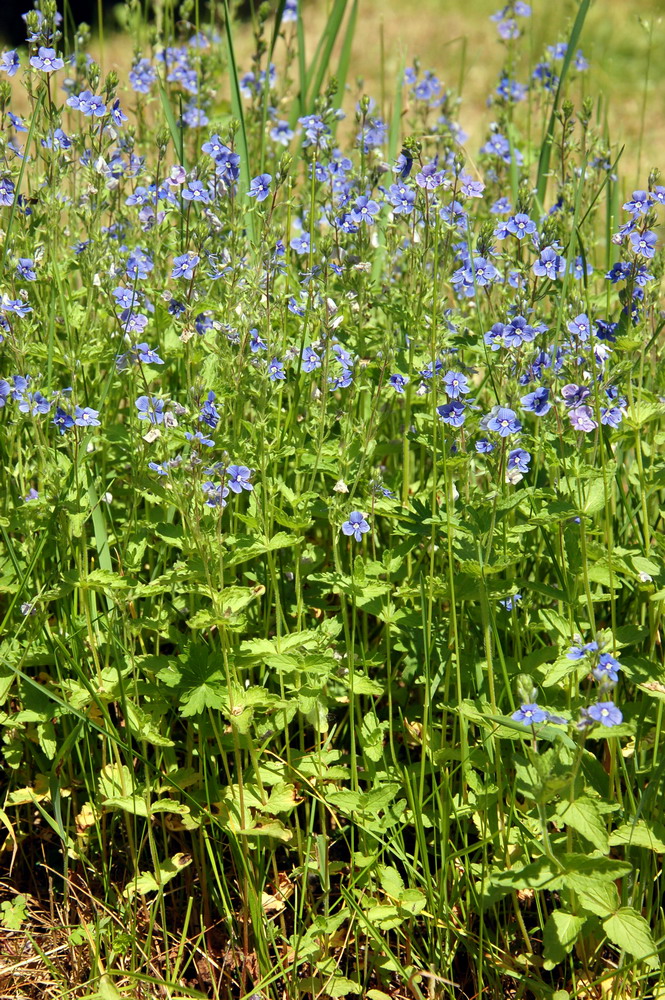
(641, 833)
(172, 534)
(283, 798)
(268, 828)
(385, 917)
(630, 932)
(594, 896)
(340, 986)
(584, 816)
(561, 932)
(147, 882)
(391, 881)
(365, 685)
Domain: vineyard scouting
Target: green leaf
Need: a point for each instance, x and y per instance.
(14, 912)
(584, 816)
(170, 533)
(641, 833)
(372, 734)
(630, 932)
(108, 990)
(594, 499)
(340, 986)
(365, 685)
(561, 932)
(147, 882)
(202, 679)
(600, 898)
(385, 917)
(283, 798)
(391, 881)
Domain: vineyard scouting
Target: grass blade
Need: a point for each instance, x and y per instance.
(321, 61)
(546, 148)
(345, 55)
(236, 105)
(177, 134)
(12, 211)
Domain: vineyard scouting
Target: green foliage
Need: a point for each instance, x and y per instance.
(331, 725)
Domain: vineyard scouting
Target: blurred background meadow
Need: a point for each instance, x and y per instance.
(623, 41)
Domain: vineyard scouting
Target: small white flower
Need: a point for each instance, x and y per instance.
(340, 487)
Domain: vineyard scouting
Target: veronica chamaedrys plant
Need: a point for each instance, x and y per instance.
(333, 476)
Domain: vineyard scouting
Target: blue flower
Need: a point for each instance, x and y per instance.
(537, 401)
(310, 360)
(185, 265)
(139, 264)
(301, 244)
(638, 204)
(281, 131)
(342, 381)
(200, 438)
(518, 460)
(150, 408)
(402, 199)
(87, 103)
(502, 420)
(580, 327)
(578, 652)
(6, 192)
(611, 416)
(161, 469)
(260, 187)
(574, 394)
(607, 669)
(25, 269)
(518, 332)
(146, 355)
(364, 210)
(644, 243)
(84, 416)
(550, 264)
(530, 713)
(238, 477)
(315, 131)
(46, 60)
(484, 447)
(34, 403)
(215, 494)
(9, 62)
(195, 191)
(581, 419)
(118, 115)
(62, 420)
(455, 384)
(452, 413)
(606, 713)
(255, 342)
(276, 371)
(209, 414)
(520, 225)
(356, 525)
(510, 602)
(142, 76)
(398, 382)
